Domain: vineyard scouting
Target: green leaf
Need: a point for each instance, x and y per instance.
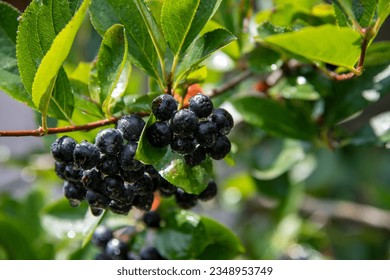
(383, 10)
(52, 61)
(10, 81)
(362, 11)
(263, 60)
(291, 154)
(294, 88)
(192, 180)
(201, 49)
(112, 67)
(106, 13)
(182, 21)
(378, 53)
(184, 236)
(224, 244)
(275, 118)
(146, 152)
(326, 43)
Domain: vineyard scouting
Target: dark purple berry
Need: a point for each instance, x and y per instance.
(109, 141)
(152, 219)
(142, 186)
(59, 168)
(223, 120)
(96, 211)
(72, 173)
(62, 149)
(209, 193)
(183, 145)
(97, 200)
(184, 123)
(166, 188)
(154, 175)
(74, 193)
(164, 106)
(86, 155)
(150, 253)
(113, 186)
(132, 176)
(92, 179)
(159, 134)
(201, 105)
(101, 236)
(144, 202)
(119, 207)
(108, 165)
(207, 133)
(185, 200)
(220, 148)
(196, 157)
(131, 127)
(126, 158)
(116, 249)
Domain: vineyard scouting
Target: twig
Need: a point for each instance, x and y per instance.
(54, 130)
(232, 83)
(337, 210)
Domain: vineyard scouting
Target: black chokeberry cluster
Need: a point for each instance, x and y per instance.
(194, 132)
(115, 248)
(105, 173)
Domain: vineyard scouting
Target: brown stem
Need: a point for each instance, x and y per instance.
(232, 83)
(54, 130)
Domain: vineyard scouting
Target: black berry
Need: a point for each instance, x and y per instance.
(119, 207)
(201, 105)
(210, 191)
(164, 106)
(159, 134)
(92, 179)
(185, 200)
(108, 165)
(126, 158)
(152, 219)
(62, 149)
(183, 145)
(144, 202)
(184, 123)
(97, 200)
(74, 193)
(59, 168)
(116, 249)
(131, 127)
(223, 120)
(166, 188)
(101, 236)
(207, 133)
(113, 186)
(220, 148)
(86, 155)
(72, 173)
(196, 157)
(109, 141)
(132, 176)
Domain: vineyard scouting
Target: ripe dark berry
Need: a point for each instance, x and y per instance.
(96, 211)
(92, 179)
(131, 127)
(223, 120)
(183, 145)
(152, 219)
(154, 175)
(159, 134)
(126, 158)
(142, 186)
(132, 176)
(164, 106)
(97, 200)
(207, 133)
(86, 155)
(62, 149)
(150, 253)
(113, 186)
(74, 193)
(201, 105)
(210, 191)
(196, 157)
(59, 168)
(108, 165)
(220, 148)
(101, 236)
(185, 200)
(116, 249)
(127, 196)
(120, 208)
(109, 141)
(166, 188)
(72, 173)
(144, 202)
(184, 123)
